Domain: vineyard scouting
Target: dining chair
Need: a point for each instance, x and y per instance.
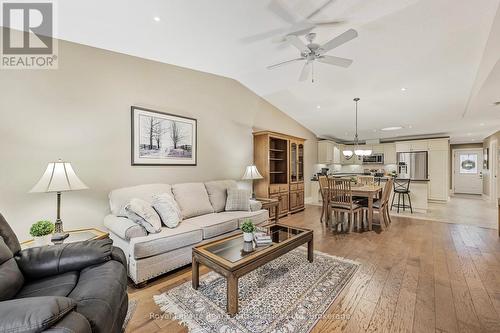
(323, 189)
(382, 205)
(366, 180)
(340, 202)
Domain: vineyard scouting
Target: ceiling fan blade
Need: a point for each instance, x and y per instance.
(284, 63)
(337, 61)
(339, 40)
(305, 71)
(295, 41)
(328, 22)
(277, 8)
(320, 8)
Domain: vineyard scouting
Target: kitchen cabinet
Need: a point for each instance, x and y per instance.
(409, 146)
(390, 153)
(377, 149)
(329, 152)
(438, 169)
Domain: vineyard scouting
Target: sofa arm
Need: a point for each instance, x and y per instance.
(38, 262)
(118, 255)
(124, 227)
(255, 205)
(33, 314)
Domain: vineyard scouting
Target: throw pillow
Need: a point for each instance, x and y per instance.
(142, 213)
(168, 209)
(238, 199)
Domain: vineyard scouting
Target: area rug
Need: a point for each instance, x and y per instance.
(132, 305)
(288, 294)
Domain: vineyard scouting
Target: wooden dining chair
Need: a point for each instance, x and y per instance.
(340, 202)
(323, 189)
(366, 180)
(382, 205)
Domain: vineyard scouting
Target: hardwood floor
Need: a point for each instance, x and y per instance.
(418, 276)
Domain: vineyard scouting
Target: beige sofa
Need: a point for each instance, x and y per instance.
(204, 219)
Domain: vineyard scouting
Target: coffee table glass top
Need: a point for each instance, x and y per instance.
(234, 248)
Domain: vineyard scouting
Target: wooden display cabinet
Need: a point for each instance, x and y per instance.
(280, 160)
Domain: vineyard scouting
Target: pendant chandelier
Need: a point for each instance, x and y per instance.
(348, 154)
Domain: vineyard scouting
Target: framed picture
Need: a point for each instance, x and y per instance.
(160, 138)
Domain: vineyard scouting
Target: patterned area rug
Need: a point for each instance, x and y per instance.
(288, 294)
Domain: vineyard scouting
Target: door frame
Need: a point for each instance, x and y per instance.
(479, 150)
(493, 171)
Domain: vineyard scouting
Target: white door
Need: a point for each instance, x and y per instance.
(468, 171)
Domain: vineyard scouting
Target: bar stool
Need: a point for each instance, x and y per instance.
(402, 188)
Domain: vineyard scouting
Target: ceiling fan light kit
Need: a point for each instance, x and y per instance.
(314, 52)
(348, 154)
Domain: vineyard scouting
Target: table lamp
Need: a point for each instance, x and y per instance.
(58, 177)
(252, 173)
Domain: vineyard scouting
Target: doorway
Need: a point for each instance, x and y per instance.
(468, 171)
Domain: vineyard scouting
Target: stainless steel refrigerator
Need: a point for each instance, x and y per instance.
(413, 165)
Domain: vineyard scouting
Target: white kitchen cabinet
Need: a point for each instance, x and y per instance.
(409, 146)
(325, 152)
(390, 153)
(377, 149)
(336, 154)
(438, 174)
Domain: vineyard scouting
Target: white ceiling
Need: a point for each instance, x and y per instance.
(433, 48)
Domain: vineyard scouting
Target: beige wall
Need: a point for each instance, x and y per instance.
(488, 174)
(81, 113)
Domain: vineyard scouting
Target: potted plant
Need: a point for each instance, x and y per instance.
(248, 229)
(41, 232)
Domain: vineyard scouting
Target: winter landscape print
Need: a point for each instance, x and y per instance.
(162, 139)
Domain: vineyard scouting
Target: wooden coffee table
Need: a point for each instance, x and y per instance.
(228, 258)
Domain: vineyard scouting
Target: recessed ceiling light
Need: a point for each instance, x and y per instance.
(410, 126)
(403, 89)
(482, 124)
(156, 18)
(318, 106)
(393, 128)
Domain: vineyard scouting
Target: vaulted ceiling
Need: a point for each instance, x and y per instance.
(434, 49)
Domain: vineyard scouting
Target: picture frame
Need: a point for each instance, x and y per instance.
(162, 139)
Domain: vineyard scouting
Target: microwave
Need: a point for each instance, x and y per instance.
(374, 159)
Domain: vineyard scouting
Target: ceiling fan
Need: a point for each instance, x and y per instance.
(314, 52)
(296, 25)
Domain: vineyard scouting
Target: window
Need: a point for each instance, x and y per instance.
(468, 163)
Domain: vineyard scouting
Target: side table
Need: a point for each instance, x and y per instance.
(272, 205)
(77, 235)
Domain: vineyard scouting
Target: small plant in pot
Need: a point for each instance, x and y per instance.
(248, 229)
(41, 232)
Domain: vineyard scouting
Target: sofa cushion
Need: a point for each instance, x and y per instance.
(56, 285)
(10, 275)
(217, 193)
(142, 213)
(238, 199)
(124, 227)
(214, 224)
(168, 209)
(193, 199)
(119, 197)
(257, 217)
(166, 240)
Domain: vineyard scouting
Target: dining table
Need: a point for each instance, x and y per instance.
(371, 192)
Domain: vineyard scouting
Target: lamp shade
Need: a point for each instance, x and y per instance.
(59, 177)
(251, 172)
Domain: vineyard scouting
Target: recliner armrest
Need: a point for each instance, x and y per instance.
(45, 261)
(33, 314)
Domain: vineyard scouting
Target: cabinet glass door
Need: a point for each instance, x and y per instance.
(300, 162)
(293, 162)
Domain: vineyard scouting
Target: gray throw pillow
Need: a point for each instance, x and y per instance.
(141, 212)
(238, 199)
(168, 209)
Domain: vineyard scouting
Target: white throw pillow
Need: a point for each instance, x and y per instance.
(168, 209)
(142, 213)
(238, 199)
